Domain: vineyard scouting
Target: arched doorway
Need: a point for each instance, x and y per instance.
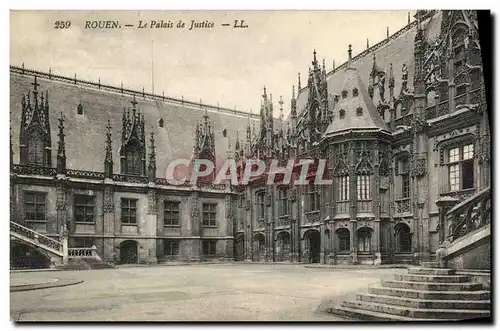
(239, 247)
(364, 239)
(313, 245)
(128, 252)
(342, 241)
(259, 247)
(24, 256)
(283, 246)
(403, 238)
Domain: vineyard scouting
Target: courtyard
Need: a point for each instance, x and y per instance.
(210, 292)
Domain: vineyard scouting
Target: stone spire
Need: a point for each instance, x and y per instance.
(108, 160)
(349, 58)
(61, 148)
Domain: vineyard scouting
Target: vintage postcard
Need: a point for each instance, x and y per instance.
(249, 166)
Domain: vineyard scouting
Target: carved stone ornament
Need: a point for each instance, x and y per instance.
(419, 123)
(293, 194)
(195, 208)
(419, 166)
(229, 207)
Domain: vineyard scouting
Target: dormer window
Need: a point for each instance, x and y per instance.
(160, 122)
(355, 92)
(359, 111)
(79, 109)
(344, 94)
(342, 113)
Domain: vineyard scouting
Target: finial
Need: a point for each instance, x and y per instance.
(367, 43)
(134, 103)
(298, 87)
(333, 65)
(293, 92)
(314, 53)
(349, 52)
(387, 32)
(324, 66)
(35, 84)
(408, 17)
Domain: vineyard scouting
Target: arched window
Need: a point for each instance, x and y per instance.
(364, 240)
(403, 238)
(343, 240)
(133, 159)
(35, 148)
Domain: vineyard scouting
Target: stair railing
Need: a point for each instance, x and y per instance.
(36, 237)
(469, 215)
(86, 252)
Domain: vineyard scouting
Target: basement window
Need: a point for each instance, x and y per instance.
(79, 109)
(359, 111)
(344, 94)
(160, 122)
(355, 92)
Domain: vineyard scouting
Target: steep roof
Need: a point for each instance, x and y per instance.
(86, 134)
(356, 110)
(397, 49)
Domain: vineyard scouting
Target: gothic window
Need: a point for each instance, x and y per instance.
(355, 92)
(160, 122)
(34, 206)
(36, 148)
(461, 89)
(312, 196)
(344, 94)
(359, 111)
(209, 214)
(209, 247)
(129, 211)
(133, 160)
(283, 201)
(79, 109)
(171, 247)
(344, 240)
(342, 113)
(83, 242)
(259, 198)
(461, 167)
(343, 188)
(84, 208)
(459, 59)
(405, 178)
(364, 240)
(171, 213)
(363, 187)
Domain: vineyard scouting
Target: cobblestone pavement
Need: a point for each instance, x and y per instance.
(227, 292)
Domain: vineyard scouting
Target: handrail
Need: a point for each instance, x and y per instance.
(33, 235)
(475, 198)
(121, 90)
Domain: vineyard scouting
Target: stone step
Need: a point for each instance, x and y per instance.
(430, 271)
(426, 286)
(429, 265)
(421, 313)
(436, 295)
(433, 278)
(424, 303)
(367, 315)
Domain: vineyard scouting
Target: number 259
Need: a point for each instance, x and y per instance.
(62, 24)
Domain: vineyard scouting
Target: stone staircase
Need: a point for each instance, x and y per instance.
(85, 263)
(422, 294)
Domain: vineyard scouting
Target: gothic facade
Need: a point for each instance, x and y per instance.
(403, 126)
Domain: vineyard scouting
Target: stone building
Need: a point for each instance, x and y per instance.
(93, 158)
(403, 126)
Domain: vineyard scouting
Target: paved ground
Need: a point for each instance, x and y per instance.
(232, 292)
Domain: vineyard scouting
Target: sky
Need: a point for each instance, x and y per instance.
(224, 65)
